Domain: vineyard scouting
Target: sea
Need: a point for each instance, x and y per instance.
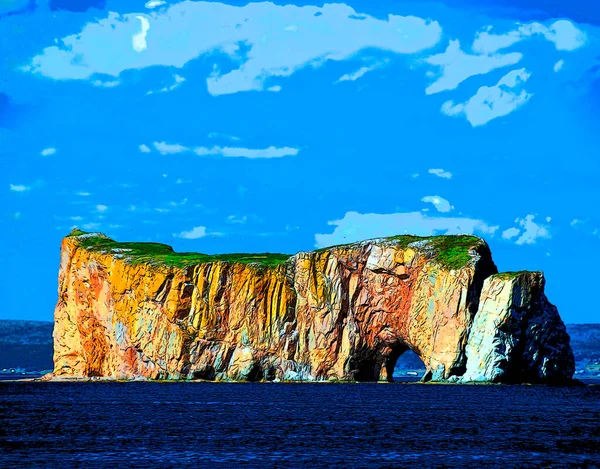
(283, 425)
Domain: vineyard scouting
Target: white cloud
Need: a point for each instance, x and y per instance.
(177, 204)
(168, 148)
(358, 226)
(190, 29)
(235, 219)
(225, 136)
(101, 208)
(440, 173)
(84, 194)
(559, 65)
(230, 152)
(19, 187)
(274, 89)
(491, 102)
(144, 148)
(564, 34)
(139, 40)
(510, 233)
(548, 219)
(178, 81)
(359, 73)
(194, 233)
(575, 221)
(91, 226)
(106, 84)
(77, 218)
(456, 66)
(529, 232)
(48, 151)
(154, 3)
(441, 204)
(271, 152)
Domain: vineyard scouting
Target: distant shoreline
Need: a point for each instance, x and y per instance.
(407, 381)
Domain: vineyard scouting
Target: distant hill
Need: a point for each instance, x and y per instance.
(585, 341)
(28, 345)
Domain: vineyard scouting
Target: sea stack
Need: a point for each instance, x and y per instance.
(141, 310)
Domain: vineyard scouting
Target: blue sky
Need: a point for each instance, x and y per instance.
(257, 127)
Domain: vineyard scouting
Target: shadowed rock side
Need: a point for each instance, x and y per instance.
(129, 310)
(517, 335)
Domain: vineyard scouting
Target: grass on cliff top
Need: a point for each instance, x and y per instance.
(451, 251)
(162, 254)
(509, 275)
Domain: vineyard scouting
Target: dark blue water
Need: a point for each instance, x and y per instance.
(119, 425)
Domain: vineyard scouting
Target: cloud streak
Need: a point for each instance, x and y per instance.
(529, 231)
(169, 148)
(563, 33)
(177, 83)
(139, 40)
(238, 152)
(195, 233)
(279, 40)
(491, 102)
(441, 204)
(358, 226)
(361, 72)
(227, 152)
(19, 187)
(440, 173)
(456, 66)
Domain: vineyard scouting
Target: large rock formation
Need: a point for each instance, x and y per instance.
(129, 310)
(517, 335)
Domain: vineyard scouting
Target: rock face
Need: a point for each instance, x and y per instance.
(517, 335)
(129, 310)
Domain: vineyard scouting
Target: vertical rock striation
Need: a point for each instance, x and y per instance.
(517, 335)
(129, 310)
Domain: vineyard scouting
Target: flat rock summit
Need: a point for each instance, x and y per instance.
(141, 310)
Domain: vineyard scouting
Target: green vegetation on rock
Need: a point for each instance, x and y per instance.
(162, 254)
(510, 275)
(453, 252)
(450, 251)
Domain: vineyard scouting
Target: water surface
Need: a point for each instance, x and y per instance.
(103, 424)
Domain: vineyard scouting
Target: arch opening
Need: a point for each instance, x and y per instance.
(381, 363)
(409, 367)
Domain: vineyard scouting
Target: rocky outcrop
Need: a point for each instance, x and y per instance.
(129, 310)
(517, 335)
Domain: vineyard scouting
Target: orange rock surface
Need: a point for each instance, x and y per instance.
(344, 313)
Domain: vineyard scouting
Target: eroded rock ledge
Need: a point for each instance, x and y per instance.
(133, 310)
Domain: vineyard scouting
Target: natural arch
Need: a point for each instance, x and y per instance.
(407, 365)
(379, 363)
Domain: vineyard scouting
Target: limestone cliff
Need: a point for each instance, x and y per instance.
(128, 310)
(517, 335)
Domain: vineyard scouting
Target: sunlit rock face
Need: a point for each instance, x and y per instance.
(517, 335)
(136, 310)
